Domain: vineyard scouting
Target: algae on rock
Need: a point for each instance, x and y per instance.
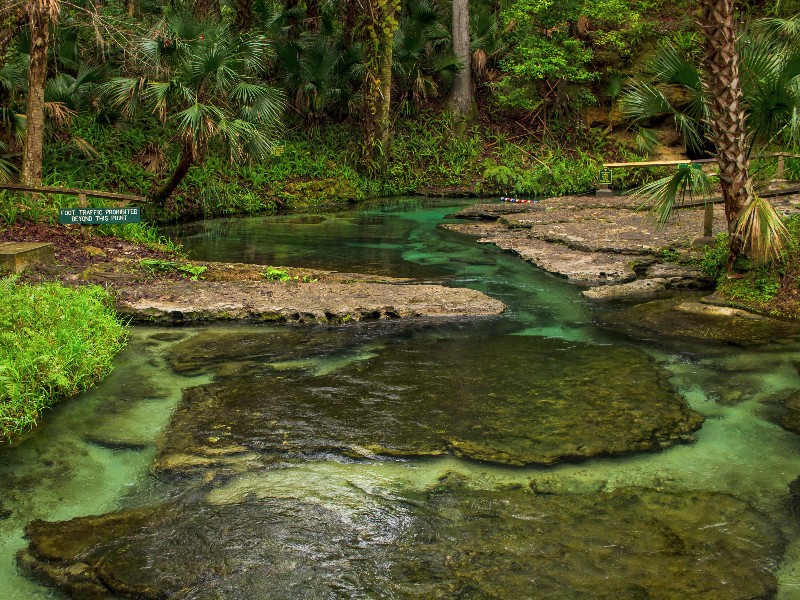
(443, 543)
(572, 401)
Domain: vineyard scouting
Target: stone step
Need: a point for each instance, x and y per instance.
(15, 256)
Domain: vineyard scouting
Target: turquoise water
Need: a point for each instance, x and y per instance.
(96, 453)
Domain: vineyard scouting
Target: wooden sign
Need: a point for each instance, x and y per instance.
(605, 177)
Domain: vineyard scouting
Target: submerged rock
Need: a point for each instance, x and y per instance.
(219, 351)
(641, 288)
(568, 401)
(688, 319)
(447, 543)
(791, 420)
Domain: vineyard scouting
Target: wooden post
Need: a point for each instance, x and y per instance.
(82, 203)
(781, 167)
(708, 220)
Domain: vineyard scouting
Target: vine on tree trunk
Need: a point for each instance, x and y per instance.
(377, 25)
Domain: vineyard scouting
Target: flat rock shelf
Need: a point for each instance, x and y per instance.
(317, 302)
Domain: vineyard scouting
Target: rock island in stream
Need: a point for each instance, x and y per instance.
(572, 401)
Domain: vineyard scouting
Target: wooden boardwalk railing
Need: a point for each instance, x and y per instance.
(80, 193)
(604, 187)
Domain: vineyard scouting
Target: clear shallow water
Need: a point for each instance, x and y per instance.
(95, 452)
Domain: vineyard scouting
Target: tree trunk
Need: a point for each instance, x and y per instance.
(39, 13)
(377, 28)
(312, 16)
(349, 11)
(727, 125)
(184, 163)
(461, 100)
(244, 14)
(202, 8)
(133, 8)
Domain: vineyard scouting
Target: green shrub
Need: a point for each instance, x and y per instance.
(758, 286)
(715, 257)
(54, 343)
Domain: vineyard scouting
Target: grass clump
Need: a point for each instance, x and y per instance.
(54, 343)
(276, 274)
(157, 265)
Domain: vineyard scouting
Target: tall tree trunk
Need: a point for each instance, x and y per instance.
(39, 15)
(377, 27)
(133, 8)
(461, 100)
(244, 14)
(184, 164)
(727, 125)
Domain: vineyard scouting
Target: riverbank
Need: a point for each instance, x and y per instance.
(620, 252)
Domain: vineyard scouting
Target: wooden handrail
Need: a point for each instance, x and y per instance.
(71, 192)
(667, 163)
(659, 163)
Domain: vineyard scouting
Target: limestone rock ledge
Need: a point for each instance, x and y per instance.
(315, 302)
(605, 241)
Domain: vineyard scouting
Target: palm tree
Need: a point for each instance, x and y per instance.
(727, 127)
(743, 99)
(40, 15)
(204, 79)
(321, 73)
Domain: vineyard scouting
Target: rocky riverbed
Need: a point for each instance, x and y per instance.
(445, 542)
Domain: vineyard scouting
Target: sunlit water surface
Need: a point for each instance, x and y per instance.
(93, 453)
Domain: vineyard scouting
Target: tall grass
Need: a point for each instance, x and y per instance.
(54, 343)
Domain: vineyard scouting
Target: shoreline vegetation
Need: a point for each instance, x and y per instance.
(57, 341)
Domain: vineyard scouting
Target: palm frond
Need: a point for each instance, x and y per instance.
(663, 195)
(644, 142)
(762, 231)
(7, 168)
(643, 101)
(13, 121)
(60, 113)
(87, 75)
(670, 66)
(85, 147)
(157, 94)
(761, 59)
(123, 92)
(691, 129)
(787, 30)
